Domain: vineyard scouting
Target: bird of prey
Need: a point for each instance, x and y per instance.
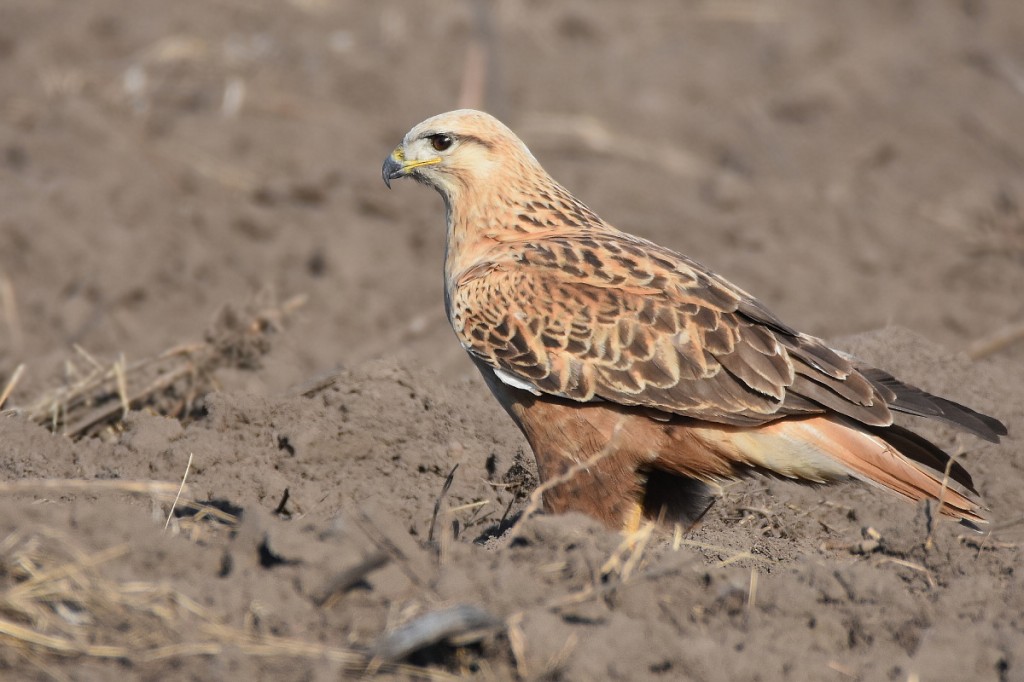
(641, 378)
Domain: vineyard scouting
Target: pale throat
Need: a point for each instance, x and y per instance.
(475, 228)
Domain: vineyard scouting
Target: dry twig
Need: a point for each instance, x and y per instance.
(997, 341)
(437, 503)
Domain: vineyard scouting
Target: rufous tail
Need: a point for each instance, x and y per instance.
(823, 449)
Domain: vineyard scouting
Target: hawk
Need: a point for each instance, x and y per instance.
(641, 378)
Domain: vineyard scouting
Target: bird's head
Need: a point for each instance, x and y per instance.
(457, 150)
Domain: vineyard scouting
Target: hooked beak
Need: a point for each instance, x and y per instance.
(392, 169)
(395, 166)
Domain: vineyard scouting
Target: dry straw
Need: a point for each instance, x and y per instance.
(57, 601)
(96, 395)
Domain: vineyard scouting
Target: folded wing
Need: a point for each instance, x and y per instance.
(607, 316)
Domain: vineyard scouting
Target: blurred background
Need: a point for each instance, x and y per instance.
(854, 165)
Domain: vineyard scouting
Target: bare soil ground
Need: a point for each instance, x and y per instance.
(199, 263)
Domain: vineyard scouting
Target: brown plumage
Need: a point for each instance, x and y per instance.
(609, 349)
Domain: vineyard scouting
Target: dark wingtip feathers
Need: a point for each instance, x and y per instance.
(912, 400)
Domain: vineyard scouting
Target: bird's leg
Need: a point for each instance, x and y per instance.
(633, 518)
(604, 486)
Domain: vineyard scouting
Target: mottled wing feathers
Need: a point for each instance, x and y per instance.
(608, 316)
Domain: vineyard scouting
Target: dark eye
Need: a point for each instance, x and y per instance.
(440, 141)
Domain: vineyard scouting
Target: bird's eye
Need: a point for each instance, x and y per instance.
(440, 142)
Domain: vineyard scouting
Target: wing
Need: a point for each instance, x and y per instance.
(608, 316)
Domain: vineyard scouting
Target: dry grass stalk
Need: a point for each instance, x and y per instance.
(56, 602)
(122, 385)
(481, 82)
(677, 536)
(9, 313)
(160, 490)
(738, 556)
(850, 672)
(97, 395)
(731, 559)
(177, 496)
(517, 643)
(627, 555)
(911, 565)
(929, 540)
(561, 657)
(468, 506)
(437, 503)
(11, 384)
(997, 341)
(752, 591)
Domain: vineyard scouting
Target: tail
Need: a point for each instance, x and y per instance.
(826, 449)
